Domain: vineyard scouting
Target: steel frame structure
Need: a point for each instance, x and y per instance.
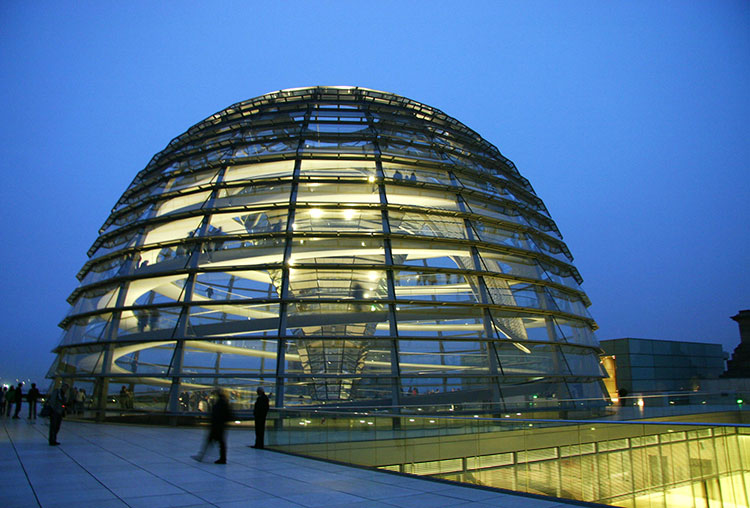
(337, 245)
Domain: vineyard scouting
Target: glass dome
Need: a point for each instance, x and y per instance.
(335, 245)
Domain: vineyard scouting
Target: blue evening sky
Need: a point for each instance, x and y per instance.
(630, 119)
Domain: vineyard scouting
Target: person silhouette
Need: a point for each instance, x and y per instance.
(260, 411)
(221, 413)
(32, 397)
(56, 400)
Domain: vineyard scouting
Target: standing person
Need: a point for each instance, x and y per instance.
(56, 400)
(221, 413)
(260, 411)
(19, 399)
(32, 397)
(3, 392)
(80, 400)
(10, 398)
(123, 397)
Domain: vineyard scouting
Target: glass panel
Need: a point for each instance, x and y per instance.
(421, 197)
(339, 319)
(475, 182)
(234, 320)
(96, 299)
(342, 251)
(342, 145)
(408, 148)
(151, 323)
(337, 128)
(343, 194)
(145, 358)
(509, 264)
(173, 230)
(249, 252)
(338, 169)
(415, 388)
(130, 217)
(168, 289)
(421, 224)
(164, 259)
(338, 357)
(576, 332)
(443, 287)
(81, 361)
(252, 195)
(530, 359)
(337, 220)
(86, 329)
(238, 223)
(432, 357)
(495, 210)
(355, 284)
(431, 254)
(303, 391)
(445, 321)
(236, 285)
(188, 180)
(182, 203)
(250, 172)
(416, 174)
(106, 269)
(117, 242)
(255, 357)
(272, 146)
(496, 234)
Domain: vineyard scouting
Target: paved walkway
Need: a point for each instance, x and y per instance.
(109, 465)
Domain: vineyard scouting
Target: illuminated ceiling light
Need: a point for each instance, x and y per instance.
(349, 214)
(316, 213)
(372, 275)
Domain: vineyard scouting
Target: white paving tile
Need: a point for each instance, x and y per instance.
(112, 466)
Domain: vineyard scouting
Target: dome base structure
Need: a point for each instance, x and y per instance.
(336, 246)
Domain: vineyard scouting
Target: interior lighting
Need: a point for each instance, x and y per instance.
(335, 329)
(640, 402)
(740, 401)
(237, 422)
(411, 419)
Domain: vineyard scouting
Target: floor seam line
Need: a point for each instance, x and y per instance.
(23, 468)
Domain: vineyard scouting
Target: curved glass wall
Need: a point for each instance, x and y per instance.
(334, 245)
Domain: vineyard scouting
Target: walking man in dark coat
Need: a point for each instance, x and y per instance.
(260, 411)
(221, 413)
